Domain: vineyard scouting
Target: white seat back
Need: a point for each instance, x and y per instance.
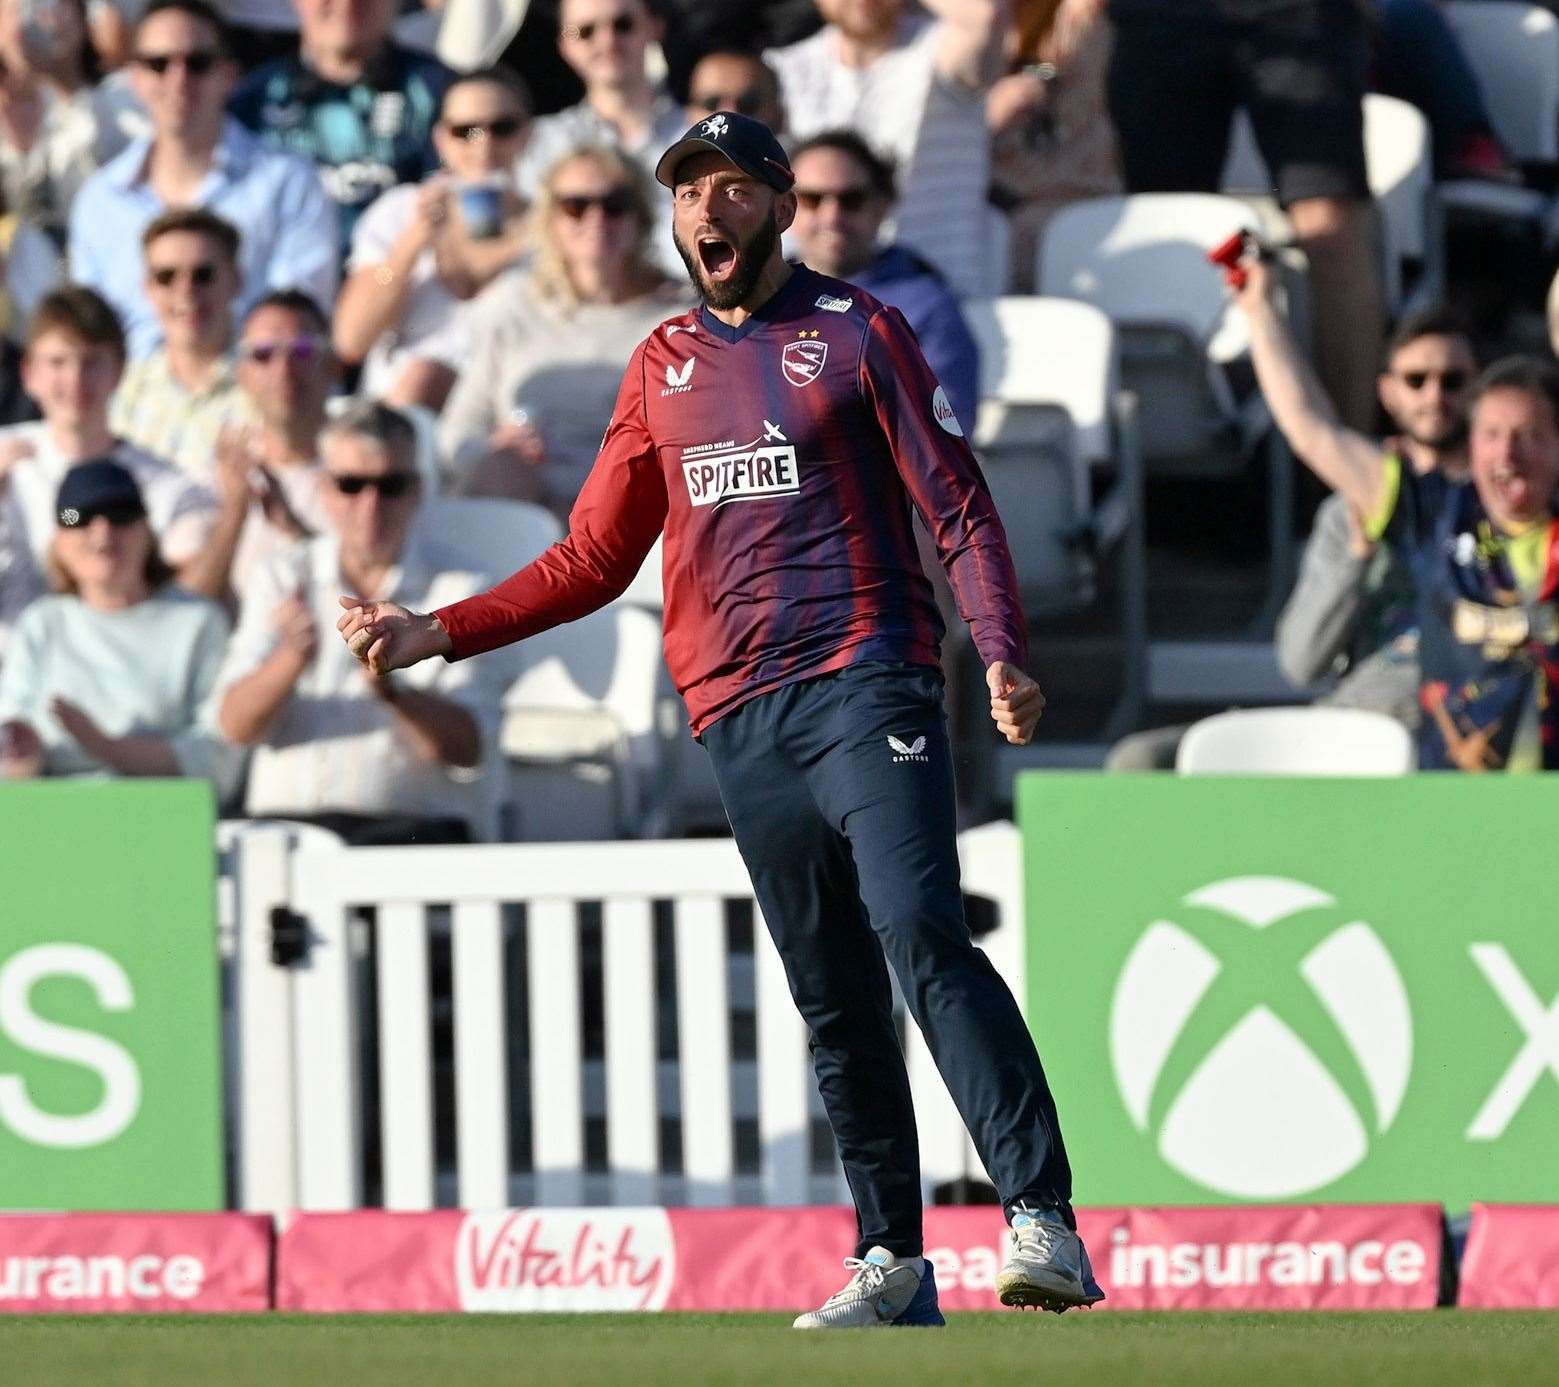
(585, 701)
(1296, 741)
(1143, 259)
(648, 587)
(1514, 52)
(1049, 351)
(497, 536)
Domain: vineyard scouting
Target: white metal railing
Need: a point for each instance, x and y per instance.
(296, 1032)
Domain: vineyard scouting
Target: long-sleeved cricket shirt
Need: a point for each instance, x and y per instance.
(781, 458)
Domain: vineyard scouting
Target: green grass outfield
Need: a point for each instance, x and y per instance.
(1120, 1350)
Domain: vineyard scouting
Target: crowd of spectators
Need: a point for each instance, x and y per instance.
(276, 274)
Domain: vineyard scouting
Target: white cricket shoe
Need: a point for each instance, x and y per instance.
(1049, 1267)
(882, 1292)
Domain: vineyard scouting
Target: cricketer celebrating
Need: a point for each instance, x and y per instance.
(779, 435)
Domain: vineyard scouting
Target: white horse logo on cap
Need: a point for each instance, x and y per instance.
(714, 127)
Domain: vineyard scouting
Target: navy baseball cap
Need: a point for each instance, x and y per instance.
(99, 487)
(747, 143)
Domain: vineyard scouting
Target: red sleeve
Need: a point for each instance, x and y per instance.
(613, 525)
(943, 479)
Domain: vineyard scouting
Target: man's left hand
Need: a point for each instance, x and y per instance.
(1016, 701)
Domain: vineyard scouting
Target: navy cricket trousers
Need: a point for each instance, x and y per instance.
(850, 840)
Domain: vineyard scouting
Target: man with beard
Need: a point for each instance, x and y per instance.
(1351, 616)
(1481, 549)
(780, 434)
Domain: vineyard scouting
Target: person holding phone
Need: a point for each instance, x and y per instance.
(423, 249)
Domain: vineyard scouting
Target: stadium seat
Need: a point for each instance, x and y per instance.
(1514, 52)
(1400, 167)
(1051, 411)
(646, 589)
(1296, 741)
(1142, 259)
(498, 536)
(580, 728)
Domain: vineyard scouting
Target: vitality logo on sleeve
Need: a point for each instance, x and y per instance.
(726, 471)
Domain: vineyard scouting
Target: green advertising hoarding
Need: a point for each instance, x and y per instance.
(110, 1066)
(1319, 990)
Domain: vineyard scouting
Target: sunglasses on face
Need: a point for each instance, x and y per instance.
(391, 487)
(117, 514)
(849, 199)
(1449, 380)
(747, 103)
(201, 276)
(300, 351)
(617, 203)
(503, 128)
(622, 25)
(196, 63)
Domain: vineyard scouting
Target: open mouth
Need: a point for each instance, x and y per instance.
(717, 256)
(1514, 490)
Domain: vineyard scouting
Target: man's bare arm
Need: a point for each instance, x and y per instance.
(1349, 462)
(970, 51)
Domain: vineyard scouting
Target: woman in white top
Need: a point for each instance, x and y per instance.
(422, 250)
(113, 674)
(549, 340)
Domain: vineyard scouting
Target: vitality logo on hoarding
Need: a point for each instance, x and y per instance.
(1264, 1000)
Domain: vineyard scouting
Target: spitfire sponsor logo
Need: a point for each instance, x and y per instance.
(829, 304)
(802, 362)
(727, 471)
(565, 1259)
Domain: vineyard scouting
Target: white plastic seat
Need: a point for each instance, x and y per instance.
(1048, 376)
(579, 727)
(495, 535)
(1399, 164)
(1050, 413)
(1513, 50)
(647, 588)
(1296, 741)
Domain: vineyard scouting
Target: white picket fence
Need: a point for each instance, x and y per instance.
(301, 1108)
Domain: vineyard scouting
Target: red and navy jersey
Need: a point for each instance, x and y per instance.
(781, 458)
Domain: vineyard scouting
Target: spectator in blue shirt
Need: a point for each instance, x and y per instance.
(844, 192)
(360, 106)
(197, 156)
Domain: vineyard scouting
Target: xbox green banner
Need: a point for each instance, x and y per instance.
(110, 1067)
(1328, 990)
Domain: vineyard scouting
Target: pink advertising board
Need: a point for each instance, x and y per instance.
(1293, 1257)
(1512, 1258)
(136, 1263)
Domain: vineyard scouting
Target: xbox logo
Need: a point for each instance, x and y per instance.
(1262, 1038)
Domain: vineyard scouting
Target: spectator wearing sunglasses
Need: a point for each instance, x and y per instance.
(358, 105)
(606, 43)
(197, 156)
(174, 402)
(114, 673)
(388, 759)
(913, 85)
(844, 192)
(733, 81)
(549, 340)
(73, 358)
(423, 249)
(266, 473)
(1350, 623)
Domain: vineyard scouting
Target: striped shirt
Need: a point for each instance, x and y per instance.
(782, 458)
(933, 129)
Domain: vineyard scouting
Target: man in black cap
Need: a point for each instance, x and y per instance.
(780, 435)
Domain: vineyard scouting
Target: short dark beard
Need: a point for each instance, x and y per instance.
(1453, 437)
(750, 262)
